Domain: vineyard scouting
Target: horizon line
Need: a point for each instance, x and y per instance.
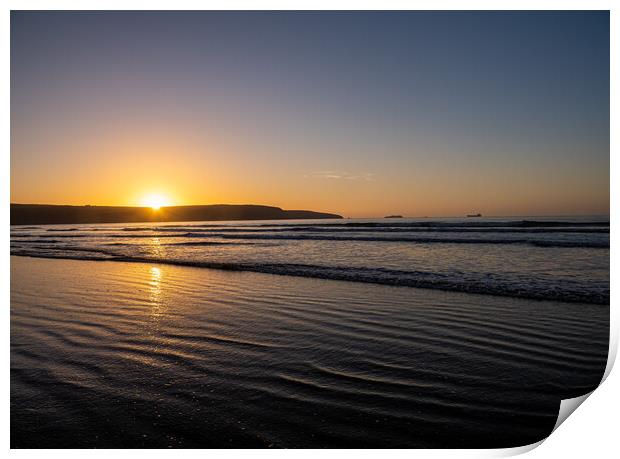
(361, 218)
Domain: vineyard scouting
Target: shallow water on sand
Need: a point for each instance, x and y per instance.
(562, 259)
(115, 354)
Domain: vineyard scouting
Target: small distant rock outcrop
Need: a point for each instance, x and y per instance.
(43, 214)
(393, 216)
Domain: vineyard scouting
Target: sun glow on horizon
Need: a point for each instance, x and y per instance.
(155, 201)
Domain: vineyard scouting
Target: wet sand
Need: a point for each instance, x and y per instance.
(113, 354)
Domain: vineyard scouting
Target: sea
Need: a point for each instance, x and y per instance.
(350, 333)
(564, 259)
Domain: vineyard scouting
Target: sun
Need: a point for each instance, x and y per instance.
(155, 201)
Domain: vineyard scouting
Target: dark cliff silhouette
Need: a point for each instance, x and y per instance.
(43, 214)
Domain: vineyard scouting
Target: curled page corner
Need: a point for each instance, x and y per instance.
(567, 407)
(613, 350)
(517, 450)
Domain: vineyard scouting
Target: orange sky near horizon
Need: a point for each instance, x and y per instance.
(107, 109)
(352, 197)
(125, 168)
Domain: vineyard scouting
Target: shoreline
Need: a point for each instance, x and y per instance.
(310, 273)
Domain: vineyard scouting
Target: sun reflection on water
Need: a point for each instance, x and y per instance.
(155, 292)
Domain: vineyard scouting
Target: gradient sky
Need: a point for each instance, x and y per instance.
(359, 113)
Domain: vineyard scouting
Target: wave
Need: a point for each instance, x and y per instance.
(218, 243)
(592, 244)
(270, 236)
(387, 229)
(437, 224)
(40, 240)
(420, 240)
(527, 224)
(485, 284)
(28, 235)
(572, 244)
(112, 236)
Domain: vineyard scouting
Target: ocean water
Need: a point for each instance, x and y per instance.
(328, 333)
(563, 259)
(114, 354)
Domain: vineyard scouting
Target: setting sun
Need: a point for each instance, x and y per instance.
(155, 201)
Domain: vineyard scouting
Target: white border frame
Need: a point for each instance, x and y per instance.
(591, 432)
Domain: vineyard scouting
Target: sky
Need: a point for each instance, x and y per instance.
(363, 114)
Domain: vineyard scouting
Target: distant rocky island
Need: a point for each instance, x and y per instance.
(393, 216)
(43, 214)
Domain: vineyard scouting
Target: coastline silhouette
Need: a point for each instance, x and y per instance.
(44, 214)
